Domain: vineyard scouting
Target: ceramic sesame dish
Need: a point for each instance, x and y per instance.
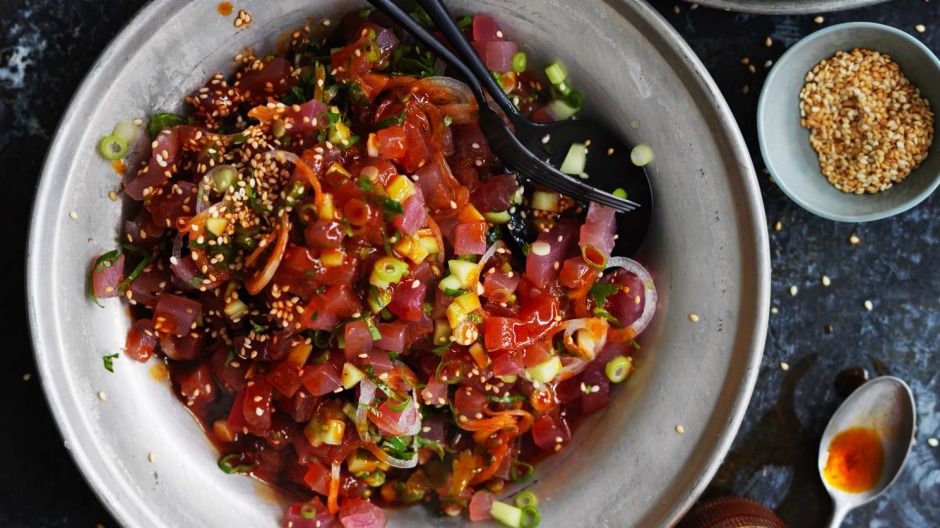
(785, 144)
(642, 461)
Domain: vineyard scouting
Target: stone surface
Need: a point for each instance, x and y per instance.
(46, 46)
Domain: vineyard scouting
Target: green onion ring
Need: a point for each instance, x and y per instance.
(113, 147)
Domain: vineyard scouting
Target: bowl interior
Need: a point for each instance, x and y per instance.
(785, 144)
(707, 250)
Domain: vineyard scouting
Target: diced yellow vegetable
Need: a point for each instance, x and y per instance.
(299, 354)
(351, 375)
(469, 213)
(441, 332)
(479, 355)
(332, 258)
(468, 273)
(327, 210)
(411, 248)
(336, 168)
(361, 461)
(461, 307)
(340, 133)
(400, 188)
(235, 309)
(428, 241)
(545, 371)
(217, 226)
(449, 282)
(333, 432)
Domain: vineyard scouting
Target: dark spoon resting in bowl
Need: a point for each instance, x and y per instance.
(536, 149)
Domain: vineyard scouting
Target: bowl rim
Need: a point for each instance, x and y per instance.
(763, 104)
(785, 7)
(752, 223)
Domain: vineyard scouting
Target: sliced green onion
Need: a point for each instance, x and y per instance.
(113, 147)
(398, 402)
(520, 470)
(574, 98)
(228, 464)
(527, 498)
(127, 131)
(387, 270)
(308, 511)
(546, 201)
(618, 369)
(620, 193)
(530, 517)
(561, 109)
(575, 160)
(594, 257)
(519, 62)
(641, 155)
(556, 72)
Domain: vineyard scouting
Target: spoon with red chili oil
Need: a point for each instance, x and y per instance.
(527, 145)
(866, 443)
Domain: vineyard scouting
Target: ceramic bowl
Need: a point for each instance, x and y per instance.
(707, 248)
(785, 7)
(785, 145)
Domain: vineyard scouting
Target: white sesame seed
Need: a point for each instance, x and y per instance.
(794, 290)
(680, 429)
(73, 215)
(818, 20)
(933, 442)
(920, 28)
(150, 457)
(869, 306)
(784, 365)
(693, 317)
(854, 239)
(27, 376)
(826, 281)
(102, 396)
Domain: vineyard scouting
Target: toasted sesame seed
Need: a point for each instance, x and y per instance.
(774, 310)
(693, 317)
(768, 42)
(73, 215)
(784, 365)
(27, 376)
(869, 306)
(680, 429)
(933, 442)
(818, 20)
(794, 290)
(102, 396)
(778, 226)
(150, 457)
(826, 281)
(920, 28)
(854, 239)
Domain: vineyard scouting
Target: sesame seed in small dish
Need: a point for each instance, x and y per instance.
(846, 122)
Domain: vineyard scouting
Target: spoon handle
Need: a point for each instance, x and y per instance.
(442, 18)
(403, 19)
(838, 514)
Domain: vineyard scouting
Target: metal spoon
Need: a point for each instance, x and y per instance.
(608, 166)
(886, 406)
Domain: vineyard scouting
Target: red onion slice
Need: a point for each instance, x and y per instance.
(649, 291)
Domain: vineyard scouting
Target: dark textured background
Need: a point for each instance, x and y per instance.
(46, 46)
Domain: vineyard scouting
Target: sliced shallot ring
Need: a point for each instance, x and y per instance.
(649, 291)
(597, 328)
(366, 398)
(260, 279)
(572, 367)
(490, 252)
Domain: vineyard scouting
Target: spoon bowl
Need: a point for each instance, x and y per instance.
(883, 407)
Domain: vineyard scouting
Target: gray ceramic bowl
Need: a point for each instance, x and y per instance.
(785, 146)
(785, 7)
(707, 249)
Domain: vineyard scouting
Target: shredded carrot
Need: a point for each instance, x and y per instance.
(261, 278)
(332, 500)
